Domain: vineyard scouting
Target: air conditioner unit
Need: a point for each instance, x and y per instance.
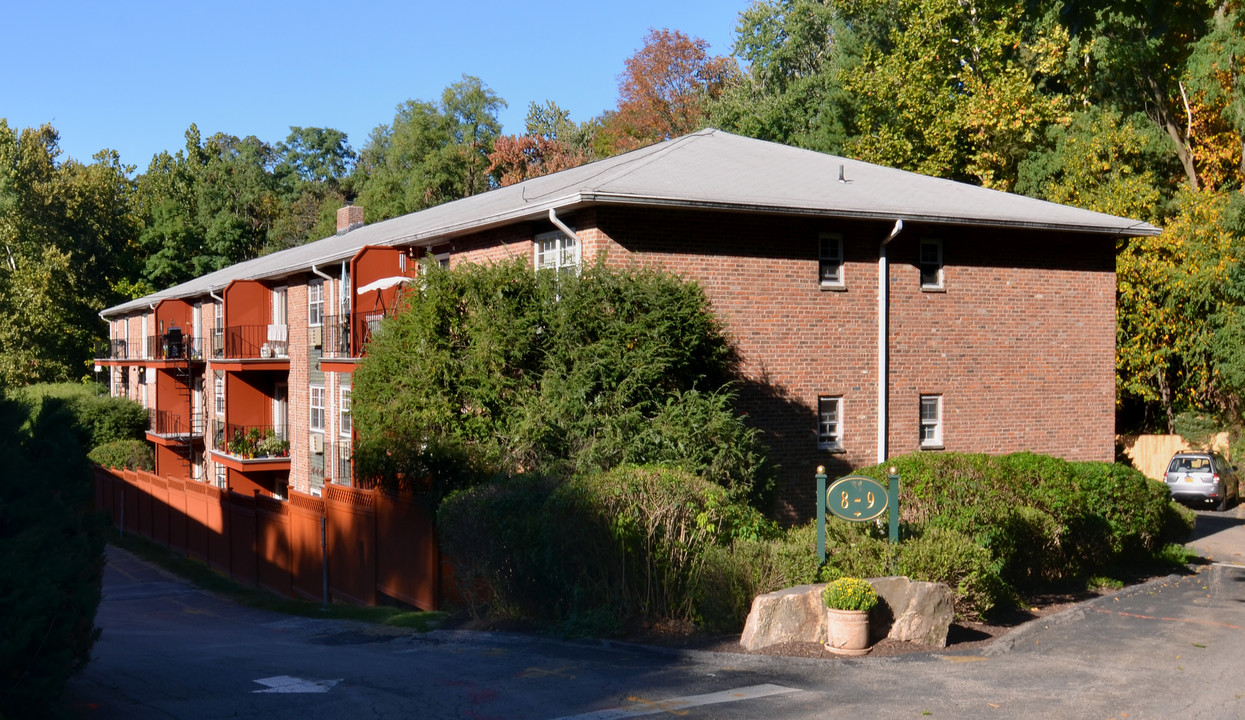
(317, 443)
(317, 336)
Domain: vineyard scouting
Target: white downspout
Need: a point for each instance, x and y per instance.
(320, 273)
(884, 341)
(553, 218)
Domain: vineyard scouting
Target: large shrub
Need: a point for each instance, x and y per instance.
(560, 375)
(98, 419)
(1043, 520)
(125, 454)
(51, 556)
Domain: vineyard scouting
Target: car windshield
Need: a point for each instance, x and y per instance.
(1189, 464)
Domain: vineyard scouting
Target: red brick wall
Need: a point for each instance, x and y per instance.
(1020, 345)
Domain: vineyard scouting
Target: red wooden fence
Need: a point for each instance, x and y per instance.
(377, 545)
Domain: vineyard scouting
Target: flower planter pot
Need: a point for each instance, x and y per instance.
(847, 632)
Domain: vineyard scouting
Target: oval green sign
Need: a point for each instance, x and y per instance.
(857, 498)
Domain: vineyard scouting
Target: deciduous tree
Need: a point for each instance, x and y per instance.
(664, 91)
(431, 153)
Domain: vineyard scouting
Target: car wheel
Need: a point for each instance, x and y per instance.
(1222, 504)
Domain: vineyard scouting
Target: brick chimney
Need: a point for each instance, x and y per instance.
(349, 218)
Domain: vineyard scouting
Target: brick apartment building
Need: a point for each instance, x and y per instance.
(878, 312)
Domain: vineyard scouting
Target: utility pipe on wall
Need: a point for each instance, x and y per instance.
(884, 341)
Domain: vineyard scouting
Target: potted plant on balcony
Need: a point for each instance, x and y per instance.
(238, 444)
(273, 446)
(848, 601)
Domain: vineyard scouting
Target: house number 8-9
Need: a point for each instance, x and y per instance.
(856, 498)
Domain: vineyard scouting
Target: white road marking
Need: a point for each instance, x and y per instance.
(287, 684)
(674, 704)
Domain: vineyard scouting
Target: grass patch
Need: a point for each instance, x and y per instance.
(204, 577)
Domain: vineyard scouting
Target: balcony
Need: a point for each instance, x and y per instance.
(344, 337)
(343, 468)
(173, 346)
(169, 425)
(250, 445)
(113, 350)
(252, 346)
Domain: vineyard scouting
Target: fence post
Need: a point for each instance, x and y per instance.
(324, 563)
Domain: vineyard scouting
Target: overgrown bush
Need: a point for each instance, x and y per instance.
(51, 556)
(126, 454)
(590, 553)
(559, 375)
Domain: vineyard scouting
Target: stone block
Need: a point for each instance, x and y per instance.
(917, 612)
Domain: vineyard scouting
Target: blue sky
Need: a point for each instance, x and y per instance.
(132, 76)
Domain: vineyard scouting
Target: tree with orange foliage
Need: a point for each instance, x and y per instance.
(552, 142)
(664, 92)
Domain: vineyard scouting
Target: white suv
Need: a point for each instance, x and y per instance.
(1202, 478)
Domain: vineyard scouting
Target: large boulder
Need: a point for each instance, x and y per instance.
(917, 612)
(791, 615)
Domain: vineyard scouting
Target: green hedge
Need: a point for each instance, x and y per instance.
(1044, 520)
(98, 419)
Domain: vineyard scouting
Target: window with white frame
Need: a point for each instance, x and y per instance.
(343, 410)
(931, 421)
(317, 408)
(315, 302)
(219, 390)
(829, 423)
(218, 327)
(830, 260)
(931, 264)
(221, 478)
(556, 251)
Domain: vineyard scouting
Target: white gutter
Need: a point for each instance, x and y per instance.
(884, 341)
(317, 271)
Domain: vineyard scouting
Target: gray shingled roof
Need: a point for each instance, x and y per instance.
(709, 169)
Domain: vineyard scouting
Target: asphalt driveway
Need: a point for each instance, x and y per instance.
(1171, 648)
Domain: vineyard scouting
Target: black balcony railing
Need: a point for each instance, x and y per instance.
(343, 470)
(174, 346)
(113, 350)
(250, 442)
(246, 342)
(171, 424)
(346, 336)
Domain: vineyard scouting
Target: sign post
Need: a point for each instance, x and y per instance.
(856, 498)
